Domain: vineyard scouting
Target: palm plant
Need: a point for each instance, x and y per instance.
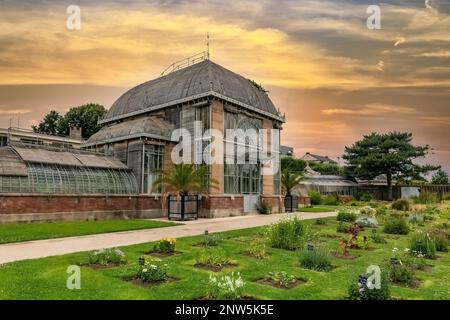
(182, 179)
(289, 180)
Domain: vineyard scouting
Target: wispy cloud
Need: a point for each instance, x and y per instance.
(370, 110)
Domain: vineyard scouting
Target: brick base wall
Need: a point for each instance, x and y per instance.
(66, 207)
(221, 206)
(276, 202)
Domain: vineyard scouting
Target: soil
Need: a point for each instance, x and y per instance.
(413, 285)
(276, 284)
(214, 268)
(163, 254)
(139, 282)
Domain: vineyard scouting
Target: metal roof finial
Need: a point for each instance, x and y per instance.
(207, 45)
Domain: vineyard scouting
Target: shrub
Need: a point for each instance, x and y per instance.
(257, 249)
(364, 196)
(376, 237)
(401, 205)
(315, 196)
(342, 227)
(357, 291)
(283, 279)
(213, 257)
(318, 259)
(106, 256)
(422, 243)
(346, 216)
(368, 211)
(401, 273)
(165, 245)
(367, 222)
(331, 200)
(381, 211)
(152, 270)
(416, 219)
(441, 239)
(396, 226)
(263, 207)
(226, 287)
(211, 240)
(321, 222)
(426, 198)
(286, 234)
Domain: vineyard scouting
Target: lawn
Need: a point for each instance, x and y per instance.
(319, 208)
(46, 278)
(37, 231)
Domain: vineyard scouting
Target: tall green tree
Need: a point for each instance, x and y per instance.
(391, 154)
(440, 177)
(49, 124)
(292, 164)
(86, 117)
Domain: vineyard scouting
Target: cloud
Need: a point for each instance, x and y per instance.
(370, 110)
(437, 54)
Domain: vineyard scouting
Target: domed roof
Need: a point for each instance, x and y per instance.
(195, 81)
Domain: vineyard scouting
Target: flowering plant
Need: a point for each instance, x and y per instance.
(226, 287)
(106, 256)
(166, 245)
(152, 270)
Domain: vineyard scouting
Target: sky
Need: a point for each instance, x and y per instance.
(335, 78)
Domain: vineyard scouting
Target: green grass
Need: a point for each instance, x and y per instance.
(46, 278)
(319, 208)
(37, 231)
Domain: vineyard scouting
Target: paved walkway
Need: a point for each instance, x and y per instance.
(53, 247)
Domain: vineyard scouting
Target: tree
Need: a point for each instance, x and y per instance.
(183, 179)
(440, 177)
(289, 180)
(292, 164)
(391, 154)
(86, 117)
(49, 124)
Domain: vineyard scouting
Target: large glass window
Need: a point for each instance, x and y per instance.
(242, 175)
(153, 163)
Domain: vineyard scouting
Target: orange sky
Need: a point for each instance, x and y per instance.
(334, 78)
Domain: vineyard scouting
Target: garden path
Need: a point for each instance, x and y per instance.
(53, 247)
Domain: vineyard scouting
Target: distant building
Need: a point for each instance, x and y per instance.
(26, 136)
(316, 158)
(286, 151)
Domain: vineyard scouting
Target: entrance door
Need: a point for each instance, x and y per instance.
(250, 202)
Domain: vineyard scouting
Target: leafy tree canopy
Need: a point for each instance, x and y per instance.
(49, 124)
(391, 154)
(292, 164)
(440, 177)
(86, 117)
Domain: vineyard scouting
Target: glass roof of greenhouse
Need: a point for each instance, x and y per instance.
(27, 169)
